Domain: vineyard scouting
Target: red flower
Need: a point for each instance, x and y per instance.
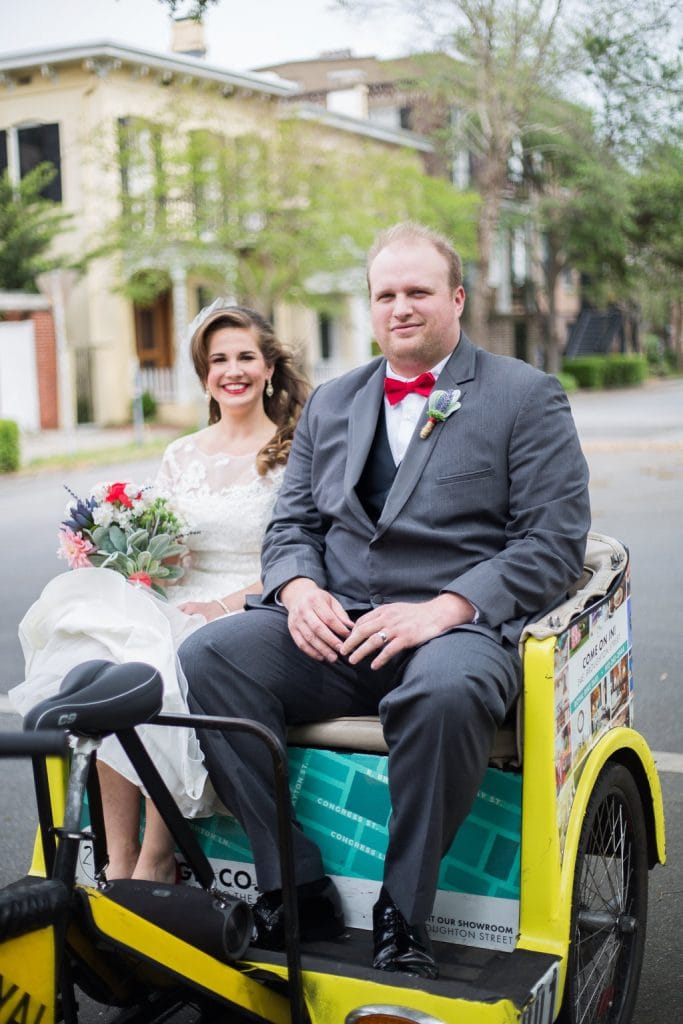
(117, 492)
(141, 577)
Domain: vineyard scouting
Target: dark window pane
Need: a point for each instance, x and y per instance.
(37, 145)
(3, 151)
(124, 134)
(147, 338)
(325, 329)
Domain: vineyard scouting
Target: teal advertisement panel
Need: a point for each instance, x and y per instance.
(342, 801)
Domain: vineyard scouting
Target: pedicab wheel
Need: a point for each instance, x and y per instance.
(609, 905)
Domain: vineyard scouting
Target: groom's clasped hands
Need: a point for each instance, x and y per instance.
(322, 629)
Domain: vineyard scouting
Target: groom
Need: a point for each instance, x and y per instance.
(398, 570)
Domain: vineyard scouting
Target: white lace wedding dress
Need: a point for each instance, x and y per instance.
(95, 613)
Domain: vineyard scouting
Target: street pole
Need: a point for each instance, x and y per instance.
(138, 411)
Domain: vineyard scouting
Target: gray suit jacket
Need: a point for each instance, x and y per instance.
(493, 505)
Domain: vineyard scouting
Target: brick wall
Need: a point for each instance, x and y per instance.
(46, 364)
(46, 357)
(500, 336)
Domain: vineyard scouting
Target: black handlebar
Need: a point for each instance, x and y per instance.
(47, 743)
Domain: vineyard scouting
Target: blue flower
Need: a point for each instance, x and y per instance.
(441, 405)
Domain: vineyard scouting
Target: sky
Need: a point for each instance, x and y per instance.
(240, 34)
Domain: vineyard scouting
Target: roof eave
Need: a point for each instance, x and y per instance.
(175, 64)
(359, 126)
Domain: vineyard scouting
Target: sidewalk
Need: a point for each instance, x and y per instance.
(55, 444)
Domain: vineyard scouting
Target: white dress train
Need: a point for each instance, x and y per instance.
(96, 613)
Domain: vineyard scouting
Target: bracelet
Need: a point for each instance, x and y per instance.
(226, 610)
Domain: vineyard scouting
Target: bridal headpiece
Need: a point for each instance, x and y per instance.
(206, 312)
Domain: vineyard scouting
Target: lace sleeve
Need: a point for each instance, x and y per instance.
(167, 474)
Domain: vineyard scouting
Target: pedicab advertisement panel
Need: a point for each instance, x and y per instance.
(593, 686)
(342, 801)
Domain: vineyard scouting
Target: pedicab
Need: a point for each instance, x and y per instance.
(542, 903)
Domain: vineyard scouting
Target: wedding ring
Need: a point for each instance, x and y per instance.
(383, 636)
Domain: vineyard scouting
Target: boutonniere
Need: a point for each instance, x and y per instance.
(441, 405)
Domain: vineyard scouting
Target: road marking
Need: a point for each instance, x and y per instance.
(665, 761)
(668, 762)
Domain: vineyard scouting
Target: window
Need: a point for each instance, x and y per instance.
(461, 159)
(208, 174)
(22, 149)
(328, 334)
(406, 118)
(142, 172)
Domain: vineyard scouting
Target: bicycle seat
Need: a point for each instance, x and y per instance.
(99, 697)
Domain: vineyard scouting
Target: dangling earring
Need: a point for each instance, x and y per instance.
(269, 388)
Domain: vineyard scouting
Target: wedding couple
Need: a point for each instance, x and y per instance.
(398, 568)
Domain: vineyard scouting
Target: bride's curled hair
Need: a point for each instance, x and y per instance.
(290, 388)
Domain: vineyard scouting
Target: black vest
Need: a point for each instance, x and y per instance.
(378, 473)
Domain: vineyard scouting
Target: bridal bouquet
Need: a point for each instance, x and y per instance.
(133, 530)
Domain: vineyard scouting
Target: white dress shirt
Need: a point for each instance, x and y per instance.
(402, 418)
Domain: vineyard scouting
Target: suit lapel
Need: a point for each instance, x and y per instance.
(459, 369)
(363, 416)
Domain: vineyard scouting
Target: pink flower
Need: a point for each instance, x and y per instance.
(140, 577)
(74, 548)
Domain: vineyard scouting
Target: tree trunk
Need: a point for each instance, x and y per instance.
(553, 362)
(480, 301)
(677, 332)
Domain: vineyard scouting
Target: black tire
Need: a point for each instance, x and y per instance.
(609, 905)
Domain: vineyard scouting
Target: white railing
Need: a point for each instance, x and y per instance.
(159, 382)
(326, 369)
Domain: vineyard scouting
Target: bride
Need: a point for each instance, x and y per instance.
(224, 480)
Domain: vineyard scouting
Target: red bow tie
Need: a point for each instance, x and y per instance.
(396, 390)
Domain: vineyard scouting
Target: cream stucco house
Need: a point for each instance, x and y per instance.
(73, 106)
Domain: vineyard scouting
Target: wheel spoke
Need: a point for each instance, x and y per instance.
(597, 977)
(605, 896)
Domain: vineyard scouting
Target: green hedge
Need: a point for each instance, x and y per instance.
(9, 446)
(568, 382)
(615, 371)
(588, 371)
(149, 406)
(625, 371)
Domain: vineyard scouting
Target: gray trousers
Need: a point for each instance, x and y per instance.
(440, 705)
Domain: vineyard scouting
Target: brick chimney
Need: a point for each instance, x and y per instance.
(188, 37)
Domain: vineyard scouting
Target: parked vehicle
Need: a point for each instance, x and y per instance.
(542, 903)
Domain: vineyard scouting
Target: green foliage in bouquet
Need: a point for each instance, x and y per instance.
(138, 554)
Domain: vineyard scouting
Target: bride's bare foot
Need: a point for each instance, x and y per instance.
(121, 865)
(161, 870)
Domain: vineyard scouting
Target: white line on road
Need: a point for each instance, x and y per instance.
(666, 762)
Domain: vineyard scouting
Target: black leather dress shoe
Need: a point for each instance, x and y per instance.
(400, 946)
(320, 915)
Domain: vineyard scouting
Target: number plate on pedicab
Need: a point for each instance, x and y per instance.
(541, 1008)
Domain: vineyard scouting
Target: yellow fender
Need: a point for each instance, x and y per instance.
(627, 747)
(624, 746)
